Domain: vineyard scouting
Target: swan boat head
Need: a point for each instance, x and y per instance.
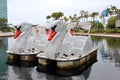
(41, 34)
(22, 34)
(55, 38)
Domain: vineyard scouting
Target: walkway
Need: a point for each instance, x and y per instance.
(6, 34)
(114, 35)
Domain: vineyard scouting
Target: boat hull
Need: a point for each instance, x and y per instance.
(22, 57)
(68, 63)
(52, 68)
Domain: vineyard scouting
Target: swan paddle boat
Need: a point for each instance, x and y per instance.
(24, 46)
(64, 50)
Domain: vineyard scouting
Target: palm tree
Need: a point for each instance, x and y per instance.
(66, 19)
(75, 17)
(70, 17)
(61, 14)
(57, 15)
(94, 15)
(48, 18)
(113, 8)
(82, 12)
(101, 16)
(110, 12)
(86, 15)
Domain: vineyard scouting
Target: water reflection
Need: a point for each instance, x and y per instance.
(66, 72)
(109, 49)
(21, 73)
(83, 76)
(3, 48)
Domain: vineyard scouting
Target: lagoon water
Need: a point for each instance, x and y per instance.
(107, 66)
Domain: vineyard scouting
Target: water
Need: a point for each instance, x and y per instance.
(106, 68)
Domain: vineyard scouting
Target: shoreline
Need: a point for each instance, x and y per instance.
(6, 34)
(113, 35)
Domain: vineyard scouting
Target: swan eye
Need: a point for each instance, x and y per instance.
(15, 27)
(19, 28)
(54, 27)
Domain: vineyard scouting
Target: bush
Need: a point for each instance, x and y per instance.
(85, 31)
(7, 29)
(93, 31)
(111, 22)
(118, 31)
(76, 30)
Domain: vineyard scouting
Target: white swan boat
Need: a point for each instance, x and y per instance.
(66, 52)
(24, 46)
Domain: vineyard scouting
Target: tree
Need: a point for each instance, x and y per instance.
(110, 12)
(66, 19)
(3, 22)
(82, 12)
(113, 8)
(70, 17)
(57, 15)
(94, 15)
(48, 18)
(111, 22)
(61, 14)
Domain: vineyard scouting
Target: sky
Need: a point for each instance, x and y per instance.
(35, 11)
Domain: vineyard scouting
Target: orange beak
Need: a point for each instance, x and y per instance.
(72, 32)
(18, 32)
(52, 34)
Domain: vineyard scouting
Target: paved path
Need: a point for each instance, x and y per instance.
(6, 34)
(115, 35)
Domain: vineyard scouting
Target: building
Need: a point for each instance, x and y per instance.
(3, 9)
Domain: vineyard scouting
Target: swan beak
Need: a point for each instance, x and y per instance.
(72, 32)
(52, 34)
(18, 32)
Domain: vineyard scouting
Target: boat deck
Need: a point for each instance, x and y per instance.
(66, 58)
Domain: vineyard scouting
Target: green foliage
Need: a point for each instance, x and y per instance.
(106, 31)
(94, 14)
(96, 39)
(97, 26)
(100, 25)
(113, 42)
(66, 19)
(111, 31)
(3, 22)
(76, 30)
(7, 29)
(85, 31)
(118, 31)
(93, 31)
(57, 15)
(111, 22)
